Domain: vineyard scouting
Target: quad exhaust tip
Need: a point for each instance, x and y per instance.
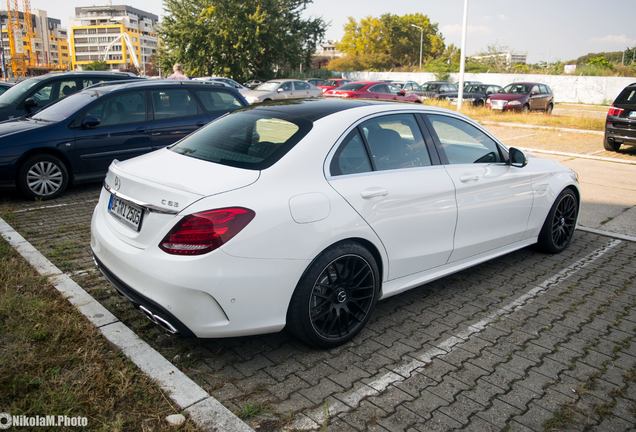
(161, 322)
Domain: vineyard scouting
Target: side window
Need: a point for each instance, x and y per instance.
(351, 157)
(123, 108)
(54, 90)
(535, 89)
(67, 88)
(380, 88)
(218, 101)
(301, 85)
(395, 141)
(173, 103)
(463, 143)
(286, 86)
(544, 89)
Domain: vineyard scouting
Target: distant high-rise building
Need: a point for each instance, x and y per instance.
(120, 35)
(50, 44)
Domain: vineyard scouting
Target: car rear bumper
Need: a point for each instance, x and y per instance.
(211, 295)
(620, 135)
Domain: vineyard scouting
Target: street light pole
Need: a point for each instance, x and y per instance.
(421, 40)
(462, 58)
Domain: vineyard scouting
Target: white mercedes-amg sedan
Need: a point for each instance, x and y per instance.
(304, 214)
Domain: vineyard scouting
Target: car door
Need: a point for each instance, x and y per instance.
(120, 133)
(536, 98)
(382, 91)
(494, 199)
(545, 96)
(285, 91)
(301, 89)
(175, 113)
(390, 175)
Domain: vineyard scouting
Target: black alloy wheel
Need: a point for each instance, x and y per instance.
(342, 297)
(564, 221)
(335, 296)
(560, 224)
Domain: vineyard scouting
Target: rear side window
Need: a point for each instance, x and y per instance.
(218, 101)
(395, 142)
(351, 157)
(173, 103)
(301, 85)
(253, 139)
(627, 96)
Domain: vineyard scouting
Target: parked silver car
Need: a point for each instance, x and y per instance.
(281, 90)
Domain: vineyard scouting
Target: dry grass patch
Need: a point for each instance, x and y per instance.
(53, 361)
(532, 118)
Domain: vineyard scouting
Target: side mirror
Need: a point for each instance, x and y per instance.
(90, 122)
(279, 89)
(29, 104)
(516, 158)
(402, 93)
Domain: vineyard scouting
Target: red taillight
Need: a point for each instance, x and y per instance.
(614, 111)
(203, 232)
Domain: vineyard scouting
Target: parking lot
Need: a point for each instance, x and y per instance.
(525, 342)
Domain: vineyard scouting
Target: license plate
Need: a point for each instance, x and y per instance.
(128, 213)
(497, 105)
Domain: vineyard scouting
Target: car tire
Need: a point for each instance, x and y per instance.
(525, 109)
(560, 224)
(335, 296)
(549, 109)
(43, 176)
(611, 145)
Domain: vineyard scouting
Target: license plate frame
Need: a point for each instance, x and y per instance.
(126, 212)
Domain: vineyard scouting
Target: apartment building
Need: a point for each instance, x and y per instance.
(120, 35)
(50, 42)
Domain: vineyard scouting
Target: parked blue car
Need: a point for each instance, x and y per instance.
(76, 139)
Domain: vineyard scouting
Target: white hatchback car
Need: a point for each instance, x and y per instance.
(304, 214)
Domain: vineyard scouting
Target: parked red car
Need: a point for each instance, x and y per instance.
(372, 90)
(522, 96)
(333, 83)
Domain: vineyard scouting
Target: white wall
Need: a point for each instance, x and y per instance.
(566, 88)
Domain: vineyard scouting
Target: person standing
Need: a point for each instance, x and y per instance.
(178, 73)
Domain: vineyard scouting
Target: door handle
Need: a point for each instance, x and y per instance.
(373, 193)
(468, 178)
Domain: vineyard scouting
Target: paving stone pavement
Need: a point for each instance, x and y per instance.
(566, 360)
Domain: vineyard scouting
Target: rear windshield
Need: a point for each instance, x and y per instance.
(253, 139)
(351, 87)
(627, 96)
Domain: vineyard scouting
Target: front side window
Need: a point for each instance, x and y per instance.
(380, 88)
(395, 142)
(286, 86)
(253, 139)
(351, 157)
(218, 101)
(463, 143)
(173, 103)
(123, 108)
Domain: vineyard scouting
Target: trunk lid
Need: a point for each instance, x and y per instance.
(164, 183)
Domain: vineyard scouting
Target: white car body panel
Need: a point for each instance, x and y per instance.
(245, 286)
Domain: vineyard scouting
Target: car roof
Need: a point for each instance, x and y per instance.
(311, 109)
(112, 86)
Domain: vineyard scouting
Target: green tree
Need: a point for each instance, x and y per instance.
(96, 66)
(236, 38)
(387, 42)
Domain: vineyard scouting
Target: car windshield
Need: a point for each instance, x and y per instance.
(252, 139)
(268, 86)
(516, 89)
(68, 106)
(352, 86)
(17, 91)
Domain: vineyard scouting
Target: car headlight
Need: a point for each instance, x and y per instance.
(488, 101)
(514, 102)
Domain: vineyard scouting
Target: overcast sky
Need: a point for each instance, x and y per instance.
(544, 29)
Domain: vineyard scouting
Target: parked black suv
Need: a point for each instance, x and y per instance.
(620, 127)
(33, 94)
